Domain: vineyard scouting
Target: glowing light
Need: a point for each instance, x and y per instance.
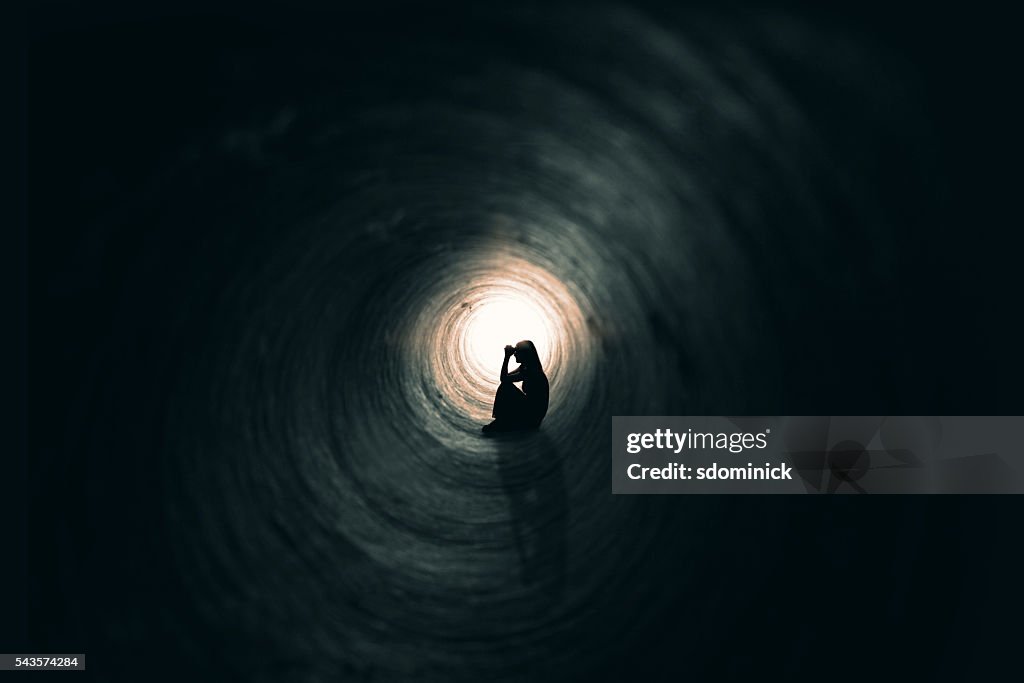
(499, 298)
(504, 318)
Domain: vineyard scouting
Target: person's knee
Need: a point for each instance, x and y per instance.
(506, 388)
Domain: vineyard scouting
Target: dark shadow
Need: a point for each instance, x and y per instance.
(532, 478)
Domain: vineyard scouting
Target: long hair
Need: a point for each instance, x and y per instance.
(526, 354)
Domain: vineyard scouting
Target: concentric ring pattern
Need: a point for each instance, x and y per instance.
(299, 325)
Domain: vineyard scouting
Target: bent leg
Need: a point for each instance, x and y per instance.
(509, 402)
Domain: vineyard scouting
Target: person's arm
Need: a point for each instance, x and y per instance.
(507, 376)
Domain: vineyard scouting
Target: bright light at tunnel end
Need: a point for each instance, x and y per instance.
(505, 318)
(501, 300)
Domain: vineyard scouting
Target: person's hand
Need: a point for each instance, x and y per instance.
(509, 350)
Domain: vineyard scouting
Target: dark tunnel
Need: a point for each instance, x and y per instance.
(269, 255)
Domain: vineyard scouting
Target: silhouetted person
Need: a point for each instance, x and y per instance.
(515, 409)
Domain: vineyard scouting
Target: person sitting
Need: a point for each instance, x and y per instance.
(525, 409)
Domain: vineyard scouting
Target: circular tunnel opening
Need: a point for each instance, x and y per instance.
(497, 300)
